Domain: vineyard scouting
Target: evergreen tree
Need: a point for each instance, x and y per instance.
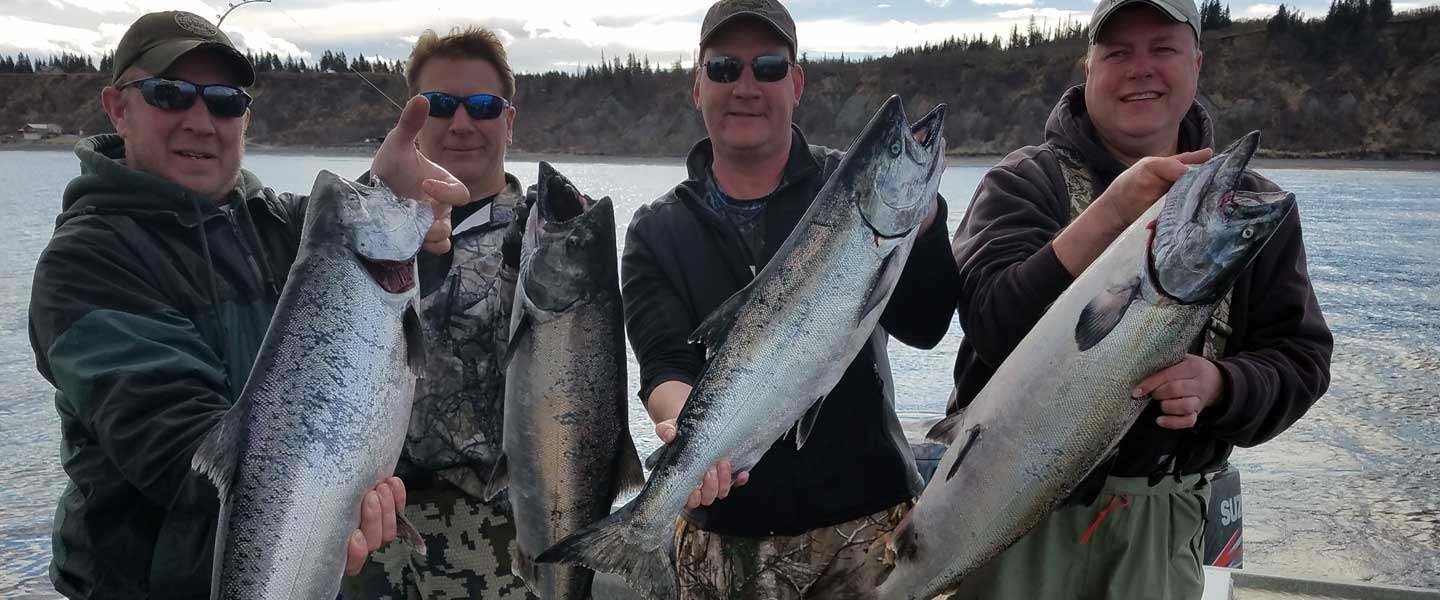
(1380, 12)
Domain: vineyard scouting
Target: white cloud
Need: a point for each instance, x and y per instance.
(45, 39)
(939, 3)
(1044, 13)
(1260, 10)
(882, 6)
(260, 42)
(1004, 2)
(1399, 6)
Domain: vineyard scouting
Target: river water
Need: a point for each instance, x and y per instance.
(1351, 492)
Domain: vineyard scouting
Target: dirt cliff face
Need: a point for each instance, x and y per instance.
(1374, 98)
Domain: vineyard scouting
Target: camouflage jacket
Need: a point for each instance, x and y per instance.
(456, 422)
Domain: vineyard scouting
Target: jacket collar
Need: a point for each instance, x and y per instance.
(1069, 127)
(798, 167)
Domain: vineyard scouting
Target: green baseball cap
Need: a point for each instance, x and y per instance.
(1179, 11)
(155, 41)
(769, 12)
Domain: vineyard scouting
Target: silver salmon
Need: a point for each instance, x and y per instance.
(568, 451)
(783, 341)
(1059, 405)
(323, 416)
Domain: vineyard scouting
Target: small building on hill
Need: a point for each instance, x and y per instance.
(40, 131)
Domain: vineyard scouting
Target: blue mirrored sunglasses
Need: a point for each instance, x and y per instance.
(482, 107)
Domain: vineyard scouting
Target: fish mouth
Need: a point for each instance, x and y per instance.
(394, 276)
(1210, 230)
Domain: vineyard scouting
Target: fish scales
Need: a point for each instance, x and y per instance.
(567, 439)
(323, 417)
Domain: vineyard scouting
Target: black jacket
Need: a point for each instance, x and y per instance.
(147, 311)
(682, 260)
(1276, 362)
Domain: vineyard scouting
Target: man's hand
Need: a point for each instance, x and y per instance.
(1128, 197)
(377, 523)
(1183, 391)
(514, 237)
(718, 480)
(1146, 181)
(401, 166)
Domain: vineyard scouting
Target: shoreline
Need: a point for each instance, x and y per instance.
(1319, 161)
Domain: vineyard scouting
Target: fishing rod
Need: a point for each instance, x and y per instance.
(376, 88)
(233, 6)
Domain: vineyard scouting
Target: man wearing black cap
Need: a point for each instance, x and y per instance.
(1113, 146)
(801, 523)
(150, 302)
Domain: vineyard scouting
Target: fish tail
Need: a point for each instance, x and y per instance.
(617, 545)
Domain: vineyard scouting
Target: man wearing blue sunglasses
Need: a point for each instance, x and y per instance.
(465, 300)
(150, 302)
(803, 523)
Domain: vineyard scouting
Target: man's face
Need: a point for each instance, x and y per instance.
(1141, 76)
(746, 115)
(468, 148)
(193, 148)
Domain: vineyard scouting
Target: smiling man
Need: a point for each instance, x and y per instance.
(803, 523)
(465, 300)
(1113, 147)
(151, 300)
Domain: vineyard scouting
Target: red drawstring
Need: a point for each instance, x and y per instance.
(1105, 512)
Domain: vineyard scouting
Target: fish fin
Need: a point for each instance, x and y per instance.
(806, 424)
(405, 530)
(499, 478)
(947, 429)
(616, 545)
(517, 333)
(630, 476)
(712, 331)
(879, 293)
(1104, 312)
(974, 433)
(414, 341)
(655, 457)
(1090, 487)
(219, 452)
(523, 566)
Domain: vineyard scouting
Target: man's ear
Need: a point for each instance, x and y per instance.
(695, 91)
(510, 124)
(798, 80)
(113, 101)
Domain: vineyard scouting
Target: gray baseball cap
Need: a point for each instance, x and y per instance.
(769, 12)
(155, 41)
(1180, 11)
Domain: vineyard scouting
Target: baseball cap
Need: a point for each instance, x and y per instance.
(155, 41)
(769, 12)
(1179, 11)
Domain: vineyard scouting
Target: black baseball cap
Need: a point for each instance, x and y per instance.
(769, 12)
(155, 41)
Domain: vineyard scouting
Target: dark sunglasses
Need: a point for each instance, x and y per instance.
(767, 68)
(223, 101)
(482, 107)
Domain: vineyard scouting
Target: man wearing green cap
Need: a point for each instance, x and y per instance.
(1113, 146)
(803, 523)
(150, 302)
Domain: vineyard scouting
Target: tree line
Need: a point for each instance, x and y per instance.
(1346, 24)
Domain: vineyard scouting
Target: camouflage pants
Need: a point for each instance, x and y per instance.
(468, 545)
(834, 562)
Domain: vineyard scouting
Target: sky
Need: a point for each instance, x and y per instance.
(543, 35)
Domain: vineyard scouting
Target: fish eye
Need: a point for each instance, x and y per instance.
(896, 147)
(1247, 233)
